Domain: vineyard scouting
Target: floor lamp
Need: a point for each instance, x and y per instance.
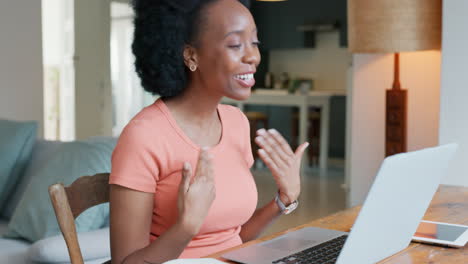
(394, 26)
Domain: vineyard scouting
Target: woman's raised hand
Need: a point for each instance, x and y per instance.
(283, 163)
(196, 194)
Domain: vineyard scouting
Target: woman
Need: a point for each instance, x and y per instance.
(180, 181)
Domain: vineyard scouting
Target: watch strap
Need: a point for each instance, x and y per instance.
(286, 209)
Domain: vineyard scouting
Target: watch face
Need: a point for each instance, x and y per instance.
(290, 208)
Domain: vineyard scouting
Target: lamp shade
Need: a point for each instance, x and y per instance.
(388, 26)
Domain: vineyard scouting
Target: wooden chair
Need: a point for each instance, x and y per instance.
(69, 202)
(313, 134)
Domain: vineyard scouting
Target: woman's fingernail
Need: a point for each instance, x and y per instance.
(273, 131)
(261, 131)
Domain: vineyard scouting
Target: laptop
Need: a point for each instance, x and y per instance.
(396, 203)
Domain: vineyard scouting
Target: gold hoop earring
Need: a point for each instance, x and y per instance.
(193, 67)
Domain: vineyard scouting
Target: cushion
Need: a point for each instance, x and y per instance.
(34, 217)
(16, 143)
(14, 251)
(94, 245)
(42, 152)
(96, 261)
(3, 226)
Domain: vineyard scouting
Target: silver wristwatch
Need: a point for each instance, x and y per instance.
(286, 209)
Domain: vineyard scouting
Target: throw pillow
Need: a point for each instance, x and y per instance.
(34, 217)
(93, 245)
(42, 151)
(16, 143)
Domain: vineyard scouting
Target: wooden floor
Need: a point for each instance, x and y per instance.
(321, 195)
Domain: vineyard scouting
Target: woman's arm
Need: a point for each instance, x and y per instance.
(261, 219)
(131, 213)
(284, 165)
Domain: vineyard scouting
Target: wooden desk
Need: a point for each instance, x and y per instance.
(319, 99)
(450, 204)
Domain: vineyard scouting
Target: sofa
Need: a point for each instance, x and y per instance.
(29, 232)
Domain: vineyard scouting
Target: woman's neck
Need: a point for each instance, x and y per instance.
(195, 106)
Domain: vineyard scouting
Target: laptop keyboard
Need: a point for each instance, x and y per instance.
(324, 253)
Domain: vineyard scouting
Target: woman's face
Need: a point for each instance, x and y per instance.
(227, 51)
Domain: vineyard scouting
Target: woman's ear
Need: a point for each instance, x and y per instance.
(190, 56)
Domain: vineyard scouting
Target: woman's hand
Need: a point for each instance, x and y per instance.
(196, 195)
(284, 164)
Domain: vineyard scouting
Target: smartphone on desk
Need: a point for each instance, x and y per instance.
(444, 234)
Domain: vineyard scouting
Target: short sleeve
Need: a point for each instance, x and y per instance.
(246, 139)
(133, 163)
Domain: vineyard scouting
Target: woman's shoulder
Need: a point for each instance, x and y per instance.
(234, 115)
(146, 121)
(149, 115)
(231, 111)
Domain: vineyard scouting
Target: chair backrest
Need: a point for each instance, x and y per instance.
(69, 202)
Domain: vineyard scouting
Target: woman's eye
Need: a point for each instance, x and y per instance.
(256, 43)
(236, 46)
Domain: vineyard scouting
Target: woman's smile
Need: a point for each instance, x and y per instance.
(246, 80)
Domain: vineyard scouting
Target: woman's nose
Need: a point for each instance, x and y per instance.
(252, 55)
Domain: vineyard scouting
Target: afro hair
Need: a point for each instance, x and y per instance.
(162, 29)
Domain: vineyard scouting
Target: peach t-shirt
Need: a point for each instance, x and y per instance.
(149, 156)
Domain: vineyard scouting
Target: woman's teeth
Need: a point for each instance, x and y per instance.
(244, 77)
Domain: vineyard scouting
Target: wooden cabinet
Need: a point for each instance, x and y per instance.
(278, 23)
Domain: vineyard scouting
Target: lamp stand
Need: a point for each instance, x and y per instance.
(396, 114)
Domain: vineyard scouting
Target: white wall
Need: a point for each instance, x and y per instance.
(372, 74)
(454, 93)
(53, 40)
(52, 31)
(93, 94)
(326, 64)
(21, 93)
